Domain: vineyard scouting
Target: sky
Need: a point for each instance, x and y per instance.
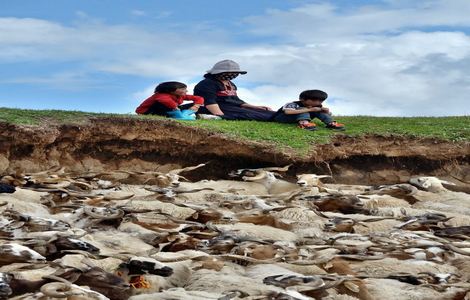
(382, 58)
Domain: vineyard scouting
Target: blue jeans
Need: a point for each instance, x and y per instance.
(285, 118)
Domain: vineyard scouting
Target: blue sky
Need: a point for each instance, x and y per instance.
(390, 57)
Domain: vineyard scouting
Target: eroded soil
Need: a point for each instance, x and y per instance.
(140, 145)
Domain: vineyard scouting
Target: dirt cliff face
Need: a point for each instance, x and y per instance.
(131, 144)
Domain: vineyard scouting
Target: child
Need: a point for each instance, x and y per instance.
(303, 111)
(167, 101)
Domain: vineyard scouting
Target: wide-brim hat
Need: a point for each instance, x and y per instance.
(224, 66)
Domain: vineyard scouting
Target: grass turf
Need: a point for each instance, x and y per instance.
(456, 129)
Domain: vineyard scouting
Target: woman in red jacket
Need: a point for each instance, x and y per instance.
(168, 98)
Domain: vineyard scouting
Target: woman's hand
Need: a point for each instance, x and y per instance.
(264, 107)
(195, 107)
(260, 107)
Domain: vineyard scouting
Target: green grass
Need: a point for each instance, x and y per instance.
(35, 117)
(455, 129)
(448, 128)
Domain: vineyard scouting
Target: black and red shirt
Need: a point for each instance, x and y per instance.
(215, 92)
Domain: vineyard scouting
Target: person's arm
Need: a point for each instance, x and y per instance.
(260, 107)
(167, 100)
(198, 101)
(163, 99)
(248, 105)
(214, 109)
(292, 111)
(208, 91)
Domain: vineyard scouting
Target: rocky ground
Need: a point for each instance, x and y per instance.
(106, 210)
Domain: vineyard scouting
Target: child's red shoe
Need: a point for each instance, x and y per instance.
(308, 126)
(335, 125)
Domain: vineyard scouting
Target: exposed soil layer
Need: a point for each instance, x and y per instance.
(132, 144)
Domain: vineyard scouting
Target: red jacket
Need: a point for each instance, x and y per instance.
(169, 100)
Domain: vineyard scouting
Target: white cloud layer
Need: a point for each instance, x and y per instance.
(394, 59)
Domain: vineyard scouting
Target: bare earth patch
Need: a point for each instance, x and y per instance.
(136, 144)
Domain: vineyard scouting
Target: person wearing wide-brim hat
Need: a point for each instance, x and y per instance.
(220, 95)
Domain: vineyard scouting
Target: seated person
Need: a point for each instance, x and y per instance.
(309, 106)
(220, 95)
(168, 99)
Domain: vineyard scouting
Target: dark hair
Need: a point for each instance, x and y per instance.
(313, 95)
(169, 87)
(208, 75)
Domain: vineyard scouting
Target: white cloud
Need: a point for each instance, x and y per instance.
(82, 14)
(142, 94)
(123, 49)
(64, 80)
(398, 59)
(157, 15)
(368, 59)
(138, 13)
(323, 21)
